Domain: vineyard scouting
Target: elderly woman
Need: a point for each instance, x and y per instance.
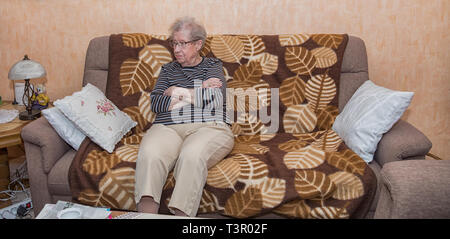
(190, 133)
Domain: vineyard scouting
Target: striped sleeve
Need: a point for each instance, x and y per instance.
(159, 102)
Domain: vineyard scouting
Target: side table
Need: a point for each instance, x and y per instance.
(9, 138)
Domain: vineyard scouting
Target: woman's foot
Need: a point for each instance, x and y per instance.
(148, 205)
(179, 213)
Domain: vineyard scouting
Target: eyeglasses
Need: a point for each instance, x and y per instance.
(181, 44)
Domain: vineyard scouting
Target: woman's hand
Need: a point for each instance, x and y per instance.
(172, 91)
(212, 83)
(177, 102)
(180, 94)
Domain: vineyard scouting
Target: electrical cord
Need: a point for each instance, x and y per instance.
(19, 177)
(16, 186)
(12, 193)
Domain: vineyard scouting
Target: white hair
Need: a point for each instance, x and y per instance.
(196, 30)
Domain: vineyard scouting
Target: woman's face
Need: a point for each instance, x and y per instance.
(188, 54)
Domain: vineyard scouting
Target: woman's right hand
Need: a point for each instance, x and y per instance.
(177, 102)
(212, 83)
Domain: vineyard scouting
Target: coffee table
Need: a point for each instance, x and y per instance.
(135, 215)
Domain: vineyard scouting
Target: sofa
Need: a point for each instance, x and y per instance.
(403, 177)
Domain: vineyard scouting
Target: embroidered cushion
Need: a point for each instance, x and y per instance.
(96, 116)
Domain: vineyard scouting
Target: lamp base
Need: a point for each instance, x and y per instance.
(34, 115)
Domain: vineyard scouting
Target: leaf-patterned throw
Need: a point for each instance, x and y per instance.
(300, 169)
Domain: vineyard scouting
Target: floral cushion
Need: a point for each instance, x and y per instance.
(96, 116)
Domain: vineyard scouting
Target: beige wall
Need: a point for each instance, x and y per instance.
(408, 41)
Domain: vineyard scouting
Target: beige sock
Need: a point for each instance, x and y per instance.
(147, 205)
(179, 212)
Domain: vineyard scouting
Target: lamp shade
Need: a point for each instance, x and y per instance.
(26, 69)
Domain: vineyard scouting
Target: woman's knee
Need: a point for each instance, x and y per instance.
(190, 156)
(151, 159)
(157, 150)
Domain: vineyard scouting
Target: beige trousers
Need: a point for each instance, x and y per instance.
(190, 150)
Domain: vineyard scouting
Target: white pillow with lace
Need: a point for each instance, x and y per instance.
(96, 116)
(64, 127)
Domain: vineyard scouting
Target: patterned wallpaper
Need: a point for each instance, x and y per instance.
(407, 40)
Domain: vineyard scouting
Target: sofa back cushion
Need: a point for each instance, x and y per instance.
(264, 62)
(354, 70)
(96, 64)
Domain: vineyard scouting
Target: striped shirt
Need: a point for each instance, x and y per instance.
(209, 103)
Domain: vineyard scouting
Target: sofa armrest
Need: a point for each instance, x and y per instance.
(415, 189)
(402, 141)
(42, 134)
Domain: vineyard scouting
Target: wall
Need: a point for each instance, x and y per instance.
(407, 40)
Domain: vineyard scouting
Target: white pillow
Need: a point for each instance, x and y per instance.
(96, 116)
(371, 112)
(64, 127)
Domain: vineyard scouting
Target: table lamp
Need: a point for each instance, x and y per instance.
(27, 69)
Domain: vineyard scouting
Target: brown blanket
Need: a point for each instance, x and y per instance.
(299, 169)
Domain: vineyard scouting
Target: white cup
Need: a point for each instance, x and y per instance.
(69, 213)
